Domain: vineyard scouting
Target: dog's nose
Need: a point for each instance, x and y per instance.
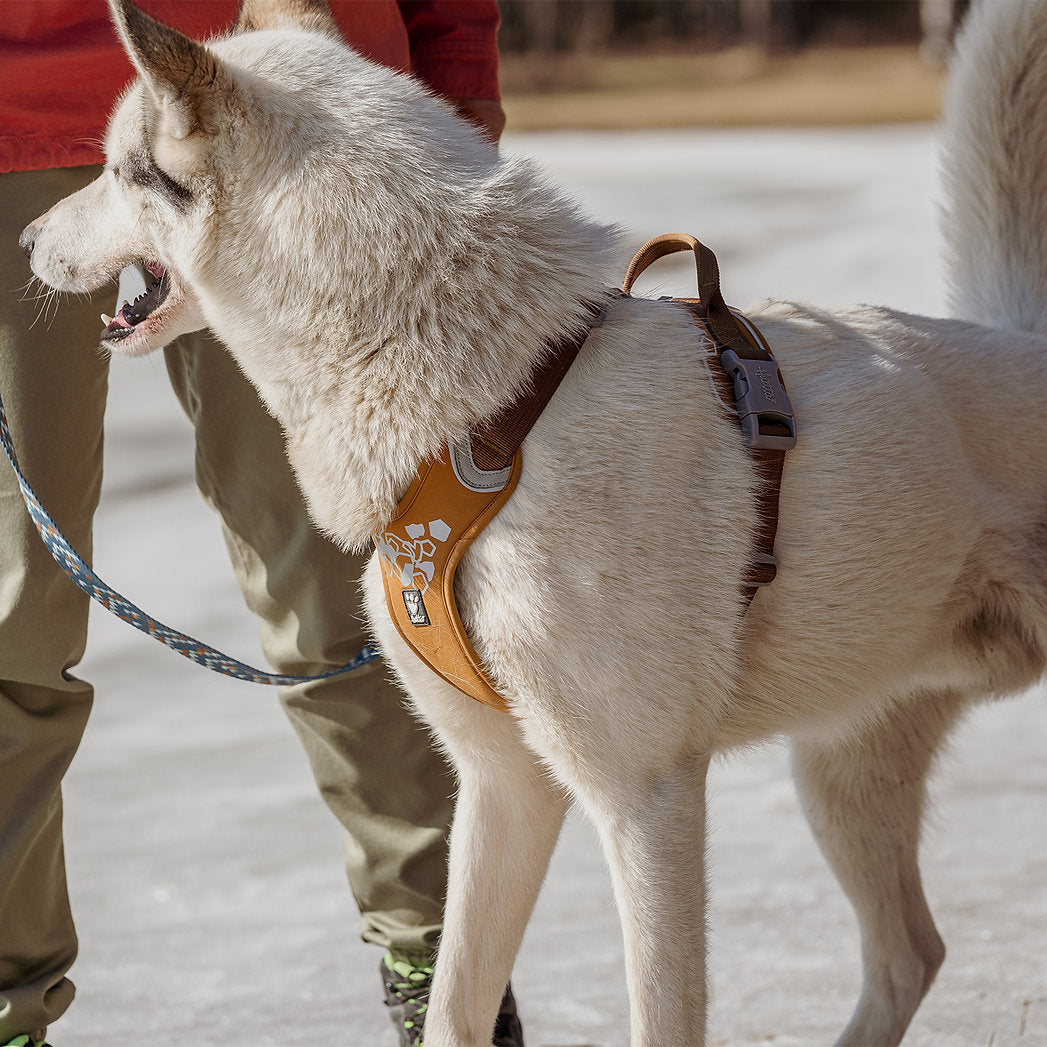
(27, 241)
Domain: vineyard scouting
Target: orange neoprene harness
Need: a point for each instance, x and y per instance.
(453, 498)
(449, 503)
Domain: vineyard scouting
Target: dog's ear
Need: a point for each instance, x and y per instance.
(314, 15)
(182, 75)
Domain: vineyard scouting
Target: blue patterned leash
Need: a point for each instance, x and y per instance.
(73, 564)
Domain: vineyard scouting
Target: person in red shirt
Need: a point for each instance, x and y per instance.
(61, 70)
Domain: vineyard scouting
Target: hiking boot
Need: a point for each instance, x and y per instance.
(407, 997)
(508, 1032)
(407, 989)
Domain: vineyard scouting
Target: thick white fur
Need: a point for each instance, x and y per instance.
(387, 280)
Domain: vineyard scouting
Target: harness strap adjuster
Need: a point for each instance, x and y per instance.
(765, 568)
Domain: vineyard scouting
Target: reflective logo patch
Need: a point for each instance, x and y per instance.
(409, 558)
(415, 605)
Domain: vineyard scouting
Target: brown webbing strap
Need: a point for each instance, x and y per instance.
(764, 410)
(497, 440)
(720, 320)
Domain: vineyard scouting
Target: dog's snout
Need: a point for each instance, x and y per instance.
(27, 241)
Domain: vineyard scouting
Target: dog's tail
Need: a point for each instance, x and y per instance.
(995, 167)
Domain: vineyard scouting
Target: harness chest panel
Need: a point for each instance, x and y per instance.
(450, 501)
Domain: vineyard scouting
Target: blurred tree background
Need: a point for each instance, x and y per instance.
(632, 63)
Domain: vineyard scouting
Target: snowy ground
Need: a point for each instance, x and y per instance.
(206, 874)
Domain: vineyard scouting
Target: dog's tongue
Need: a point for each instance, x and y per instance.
(116, 323)
(124, 319)
(132, 313)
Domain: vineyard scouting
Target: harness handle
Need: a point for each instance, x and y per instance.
(718, 316)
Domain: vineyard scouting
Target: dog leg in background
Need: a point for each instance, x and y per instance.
(652, 826)
(864, 800)
(507, 819)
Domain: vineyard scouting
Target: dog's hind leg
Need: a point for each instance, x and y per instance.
(507, 818)
(864, 799)
(652, 826)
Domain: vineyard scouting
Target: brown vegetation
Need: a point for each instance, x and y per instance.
(735, 87)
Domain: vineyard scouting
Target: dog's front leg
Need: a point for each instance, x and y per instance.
(507, 819)
(652, 825)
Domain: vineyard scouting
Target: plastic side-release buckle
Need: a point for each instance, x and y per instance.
(761, 400)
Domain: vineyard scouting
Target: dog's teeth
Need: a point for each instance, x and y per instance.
(107, 320)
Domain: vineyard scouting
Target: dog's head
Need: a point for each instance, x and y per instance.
(158, 190)
(226, 172)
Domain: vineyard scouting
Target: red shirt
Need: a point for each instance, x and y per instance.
(62, 66)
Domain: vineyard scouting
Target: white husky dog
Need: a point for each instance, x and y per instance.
(387, 280)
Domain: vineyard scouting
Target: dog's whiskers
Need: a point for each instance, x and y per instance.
(47, 299)
(44, 311)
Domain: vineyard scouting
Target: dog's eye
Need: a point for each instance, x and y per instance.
(149, 176)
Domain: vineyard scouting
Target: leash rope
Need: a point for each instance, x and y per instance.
(76, 568)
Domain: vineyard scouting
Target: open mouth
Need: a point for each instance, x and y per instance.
(132, 314)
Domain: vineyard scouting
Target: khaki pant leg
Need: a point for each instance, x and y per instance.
(373, 762)
(53, 381)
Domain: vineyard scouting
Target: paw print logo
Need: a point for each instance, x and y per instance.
(409, 557)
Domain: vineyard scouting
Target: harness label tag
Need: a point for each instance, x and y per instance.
(416, 612)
